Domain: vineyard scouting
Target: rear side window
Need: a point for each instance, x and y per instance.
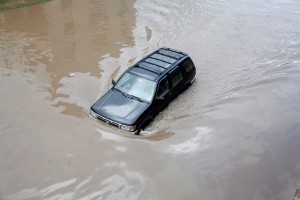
(176, 77)
(187, 65)
(163, 87)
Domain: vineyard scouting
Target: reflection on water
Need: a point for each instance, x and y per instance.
(116, 185)
(233, 135)
(51, 50)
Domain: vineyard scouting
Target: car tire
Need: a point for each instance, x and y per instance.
(144, 124)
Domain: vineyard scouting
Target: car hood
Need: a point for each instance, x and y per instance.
(115, 106)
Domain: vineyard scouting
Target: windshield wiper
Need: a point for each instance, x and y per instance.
(139, 99)
(133, 97)
(130, 96)
(123, 93)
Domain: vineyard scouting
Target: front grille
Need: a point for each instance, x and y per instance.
(108, 121)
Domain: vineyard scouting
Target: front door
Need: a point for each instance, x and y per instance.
(163, 96)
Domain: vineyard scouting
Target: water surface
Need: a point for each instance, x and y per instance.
(233, 135)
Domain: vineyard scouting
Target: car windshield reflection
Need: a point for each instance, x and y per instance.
(141, 88)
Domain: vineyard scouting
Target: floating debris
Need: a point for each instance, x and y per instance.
(71, 75)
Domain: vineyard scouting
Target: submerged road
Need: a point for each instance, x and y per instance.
(233, 135)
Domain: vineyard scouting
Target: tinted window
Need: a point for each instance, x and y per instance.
(163, 87)
(187, 65)
(176, 76)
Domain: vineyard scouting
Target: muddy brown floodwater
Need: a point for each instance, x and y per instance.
(235, 134)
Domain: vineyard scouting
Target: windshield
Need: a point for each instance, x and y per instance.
(136, 86)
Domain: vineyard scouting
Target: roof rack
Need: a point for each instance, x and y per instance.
(159, 61)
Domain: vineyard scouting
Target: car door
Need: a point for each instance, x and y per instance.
(163, 96)
(177, 85)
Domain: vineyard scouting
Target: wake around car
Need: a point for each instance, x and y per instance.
(144, 90)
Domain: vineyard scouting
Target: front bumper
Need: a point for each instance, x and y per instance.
(105, 121)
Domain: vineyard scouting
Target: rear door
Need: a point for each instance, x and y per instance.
(177, 85)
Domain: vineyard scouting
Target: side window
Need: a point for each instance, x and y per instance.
(187, 65)
(176, 76)
(163, 87)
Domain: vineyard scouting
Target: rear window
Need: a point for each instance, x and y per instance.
(187, 65)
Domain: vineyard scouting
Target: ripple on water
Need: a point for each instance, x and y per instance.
(234, 133)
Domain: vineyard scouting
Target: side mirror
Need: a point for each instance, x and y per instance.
(113, 82)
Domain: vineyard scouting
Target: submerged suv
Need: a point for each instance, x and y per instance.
(144, 90)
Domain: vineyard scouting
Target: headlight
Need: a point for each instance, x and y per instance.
(128, 128)
(93, 114)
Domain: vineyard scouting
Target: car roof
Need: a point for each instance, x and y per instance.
(157, 64)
